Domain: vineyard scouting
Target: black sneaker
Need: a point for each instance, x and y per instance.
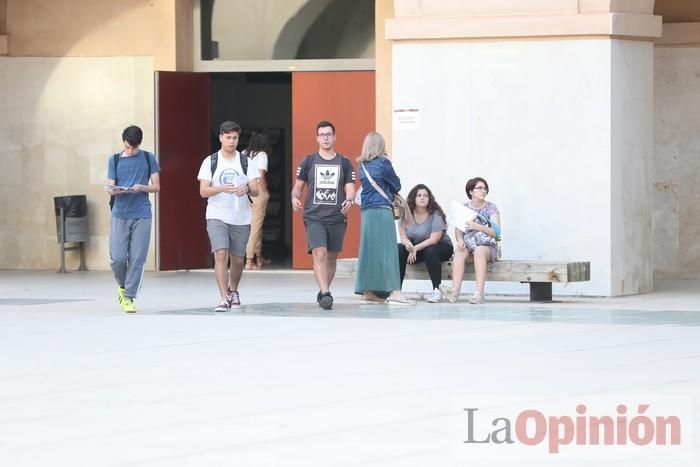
(318, 297)
(326, 301)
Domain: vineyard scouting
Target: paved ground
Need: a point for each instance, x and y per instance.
(280, 383)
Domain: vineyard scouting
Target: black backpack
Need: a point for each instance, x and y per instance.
(115, 162)
(215, 162)
(244, 165)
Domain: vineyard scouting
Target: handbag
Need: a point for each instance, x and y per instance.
(474, 238)
(399, 206)
(398, 203)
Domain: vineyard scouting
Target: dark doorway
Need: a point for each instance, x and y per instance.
(262, 102)
(190, 108)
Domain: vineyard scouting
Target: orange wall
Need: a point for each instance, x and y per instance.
(345, 98)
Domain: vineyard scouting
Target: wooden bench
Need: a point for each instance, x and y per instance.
(539, 274)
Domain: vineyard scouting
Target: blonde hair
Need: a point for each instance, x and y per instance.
(372, 147)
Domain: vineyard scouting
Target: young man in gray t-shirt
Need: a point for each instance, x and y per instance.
(331, 190)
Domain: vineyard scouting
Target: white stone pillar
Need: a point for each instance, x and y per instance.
(552, 102)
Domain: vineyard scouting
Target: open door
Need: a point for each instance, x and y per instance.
(345, 98)
(183, 140)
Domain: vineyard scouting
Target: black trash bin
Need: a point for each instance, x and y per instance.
(71, 225)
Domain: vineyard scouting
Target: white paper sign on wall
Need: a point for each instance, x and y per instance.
(406, 119)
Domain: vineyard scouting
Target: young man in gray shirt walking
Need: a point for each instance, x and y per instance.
(331, 190)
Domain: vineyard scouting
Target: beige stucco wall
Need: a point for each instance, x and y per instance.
(275, 29)
(258, 26)
(57, 130)
(85, 28)
(3, 16)
(475, 19)
(78, 72)
(3, 27)
(383, 9)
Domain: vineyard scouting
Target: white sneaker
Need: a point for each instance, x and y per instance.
(223, 305)
(399, 299)
(435, 297)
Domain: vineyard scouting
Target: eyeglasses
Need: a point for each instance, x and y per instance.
(325, 135)
(481, 188)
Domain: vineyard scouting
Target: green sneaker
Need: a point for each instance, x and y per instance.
(128, 305)
(120, 295)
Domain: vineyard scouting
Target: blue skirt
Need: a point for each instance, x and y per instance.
(378, 265)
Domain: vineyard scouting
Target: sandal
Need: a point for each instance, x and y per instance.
(399, 299)
(260, 261)
(369, 298)
(476, 299)
(451, 294)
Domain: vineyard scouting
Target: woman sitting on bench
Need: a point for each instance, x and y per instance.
(476, 241)
(425, 238)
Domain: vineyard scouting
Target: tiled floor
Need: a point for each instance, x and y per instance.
(280, 383)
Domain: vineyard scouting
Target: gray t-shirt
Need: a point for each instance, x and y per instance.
(326, 180)
(132, 170)
(417, 233)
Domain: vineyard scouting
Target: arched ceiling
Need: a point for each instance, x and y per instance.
(678, 11)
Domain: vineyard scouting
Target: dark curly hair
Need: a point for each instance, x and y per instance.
(256, 144)
(432, 204)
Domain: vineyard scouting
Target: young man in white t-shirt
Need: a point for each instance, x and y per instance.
(228, 212)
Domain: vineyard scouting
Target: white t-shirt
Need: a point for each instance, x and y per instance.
(227, 207)
(259, 162)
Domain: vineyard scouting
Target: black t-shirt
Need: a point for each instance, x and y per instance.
(326, 180)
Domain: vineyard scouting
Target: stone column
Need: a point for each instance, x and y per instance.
(552, 102)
